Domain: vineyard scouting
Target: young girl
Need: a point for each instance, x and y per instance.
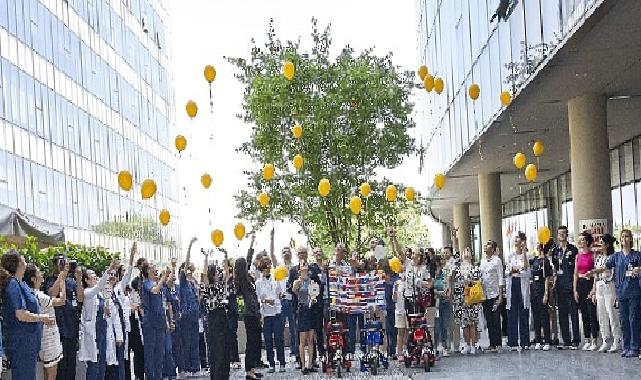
(401, 318)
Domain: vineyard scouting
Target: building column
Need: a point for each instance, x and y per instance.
(446, 235)
(491, 211)
(590, 160)
(462, 223)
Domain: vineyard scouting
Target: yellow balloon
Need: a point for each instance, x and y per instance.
(289, 70)
(506, 98)
(519, 160)
(324, 187)
(125, 181)
(205, 180)
(428, 83)
(544, 235)
(297, 131)
(263, 199)
(531, 172)
(410, 194)
(298, 162)
(355, 205)
(365, 189)
(439, 85)
(268, 172)
(538, 148)
(422, 72)
(239, 231)
(181, 143)
(210, 73)
(474, 91)
(217, 237)
(280, 273)
(391, 193)
(191, 108)
(439, 180)
(164, 217)
(148, 188)
(395, 265)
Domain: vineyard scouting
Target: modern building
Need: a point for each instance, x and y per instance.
(84, 93)
(573, 68)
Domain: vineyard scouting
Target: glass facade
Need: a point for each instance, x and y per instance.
(551, 203)
(84, 93)
(458, 43)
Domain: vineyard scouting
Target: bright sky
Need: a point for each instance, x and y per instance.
(203, 31)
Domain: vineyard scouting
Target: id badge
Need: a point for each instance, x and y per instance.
(628, 273)
(74, 303)
(560, 272)
(536, 278)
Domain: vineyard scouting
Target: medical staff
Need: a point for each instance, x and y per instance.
(627, 266)
(563, 258)
(541, 270)
(93, 328)
(123, 303)
(22, 318)
(154, 323)
(189, 315)
(173, 353)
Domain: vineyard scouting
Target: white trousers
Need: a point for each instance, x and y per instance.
(608, 315)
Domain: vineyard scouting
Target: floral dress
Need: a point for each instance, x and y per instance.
(464, 315)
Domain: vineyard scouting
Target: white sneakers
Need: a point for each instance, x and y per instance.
(445, 353)
(537, 346)
(604, 347)
(586, 346)
(546, 347)
(614, 348)
(466, 350)
(472, 350)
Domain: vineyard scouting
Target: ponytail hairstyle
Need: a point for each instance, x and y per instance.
(29, 274)
(8, 267)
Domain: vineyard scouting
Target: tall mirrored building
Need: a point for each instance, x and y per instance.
(85, 92)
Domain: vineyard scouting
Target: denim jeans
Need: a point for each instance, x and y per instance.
(273, 328)
(629, 310)
(352, 321)
(442, 323)
(390, 329)
(287, 311)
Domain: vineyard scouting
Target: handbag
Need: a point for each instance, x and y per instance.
(474, 293)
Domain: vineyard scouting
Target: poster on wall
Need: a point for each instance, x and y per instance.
(597, 227)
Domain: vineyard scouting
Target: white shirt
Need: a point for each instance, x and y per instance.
(400, 300)
(515, 260)
(492, 276)
(269, 289)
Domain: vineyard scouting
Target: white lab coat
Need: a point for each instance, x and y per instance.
(88, 351)
(114, 330)
(125, 303)
(516, 261)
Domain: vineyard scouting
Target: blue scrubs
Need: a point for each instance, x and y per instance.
(172, 347)
(23, 338)
(153, 330)
(628, 290)
(97, 370)
(188, 325)
(68, 327)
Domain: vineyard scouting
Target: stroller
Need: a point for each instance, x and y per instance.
(420, 346)
(371, 341)
(336, 357)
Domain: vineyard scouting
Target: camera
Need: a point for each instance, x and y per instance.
(73, 264)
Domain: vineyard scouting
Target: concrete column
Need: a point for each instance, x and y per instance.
(590, 159)
(446, 235)
(462, 222)
(490, 208)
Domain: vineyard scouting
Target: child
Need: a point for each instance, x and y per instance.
(401, 318)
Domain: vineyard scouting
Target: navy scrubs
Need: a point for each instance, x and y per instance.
(154, 326)
(188, 325)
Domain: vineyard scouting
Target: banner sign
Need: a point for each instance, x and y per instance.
(355, 293)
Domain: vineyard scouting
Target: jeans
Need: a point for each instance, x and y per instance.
(273, 328)
(493, 321)
(218, 337)
(568, 310)
(354, 320)
(518, 318)
(287, 310)
(607, 313)
(390, 329)
(541, 316)
(629, 313)
(442, 323)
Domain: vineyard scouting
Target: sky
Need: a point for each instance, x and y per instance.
(203, 32)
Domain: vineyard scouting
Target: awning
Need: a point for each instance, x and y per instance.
(16, 226)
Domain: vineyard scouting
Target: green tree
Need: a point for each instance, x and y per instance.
(135, 227)
(355, 112)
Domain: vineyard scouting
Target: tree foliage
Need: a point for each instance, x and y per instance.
(355, 112)
(135, 227)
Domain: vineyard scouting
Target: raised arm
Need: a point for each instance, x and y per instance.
(62, 294)
(396, 247)
(126, 278)
(272, 254)
(157, 288)
(90, 292)
(250, 251)
(191, 243)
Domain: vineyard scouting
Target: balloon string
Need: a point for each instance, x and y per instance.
(211, 100)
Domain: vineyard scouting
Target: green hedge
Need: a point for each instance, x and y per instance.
(95, 258)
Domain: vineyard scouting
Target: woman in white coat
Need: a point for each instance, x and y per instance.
(93, 304)
(517, 288)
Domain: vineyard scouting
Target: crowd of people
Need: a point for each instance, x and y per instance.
(166, 324)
